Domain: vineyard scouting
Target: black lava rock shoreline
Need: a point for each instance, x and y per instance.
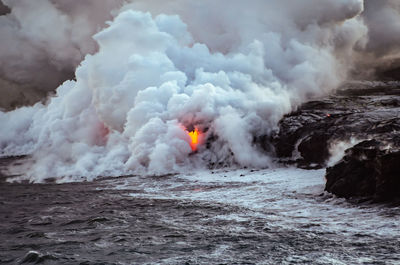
(364, 113)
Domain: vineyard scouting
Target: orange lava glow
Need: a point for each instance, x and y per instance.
(194, 139)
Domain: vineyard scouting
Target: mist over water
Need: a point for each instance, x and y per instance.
(156, 68)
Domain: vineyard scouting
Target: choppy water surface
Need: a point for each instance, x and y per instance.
(276, 216)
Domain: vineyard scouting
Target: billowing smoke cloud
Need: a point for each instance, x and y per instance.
(42, 42)
(383, 21)
(160, 67)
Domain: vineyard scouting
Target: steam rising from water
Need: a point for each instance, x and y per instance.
(231, 72)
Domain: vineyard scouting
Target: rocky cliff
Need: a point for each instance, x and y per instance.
(365, 118)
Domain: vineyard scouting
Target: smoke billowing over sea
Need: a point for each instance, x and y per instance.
(141, 74)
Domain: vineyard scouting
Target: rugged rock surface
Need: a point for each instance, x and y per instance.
(369, 169)
(359, 111)
(364, 113)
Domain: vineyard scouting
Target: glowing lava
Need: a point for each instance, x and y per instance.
(194, 139)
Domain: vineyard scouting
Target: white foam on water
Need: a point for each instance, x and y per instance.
(284, 198)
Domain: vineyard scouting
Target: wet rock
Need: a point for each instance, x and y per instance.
(360, 111)
(311, 144)
(369, 169)
(363, 112)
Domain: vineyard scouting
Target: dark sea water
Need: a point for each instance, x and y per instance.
(225, 217)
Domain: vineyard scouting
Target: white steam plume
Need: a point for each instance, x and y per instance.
(42, 42)
(231, 72)
(379, 48)
(383, 21)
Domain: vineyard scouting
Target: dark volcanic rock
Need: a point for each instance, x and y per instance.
(369, 169)
(361, 111)
(358, 111)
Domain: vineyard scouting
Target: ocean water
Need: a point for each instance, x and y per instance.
(229, 216)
